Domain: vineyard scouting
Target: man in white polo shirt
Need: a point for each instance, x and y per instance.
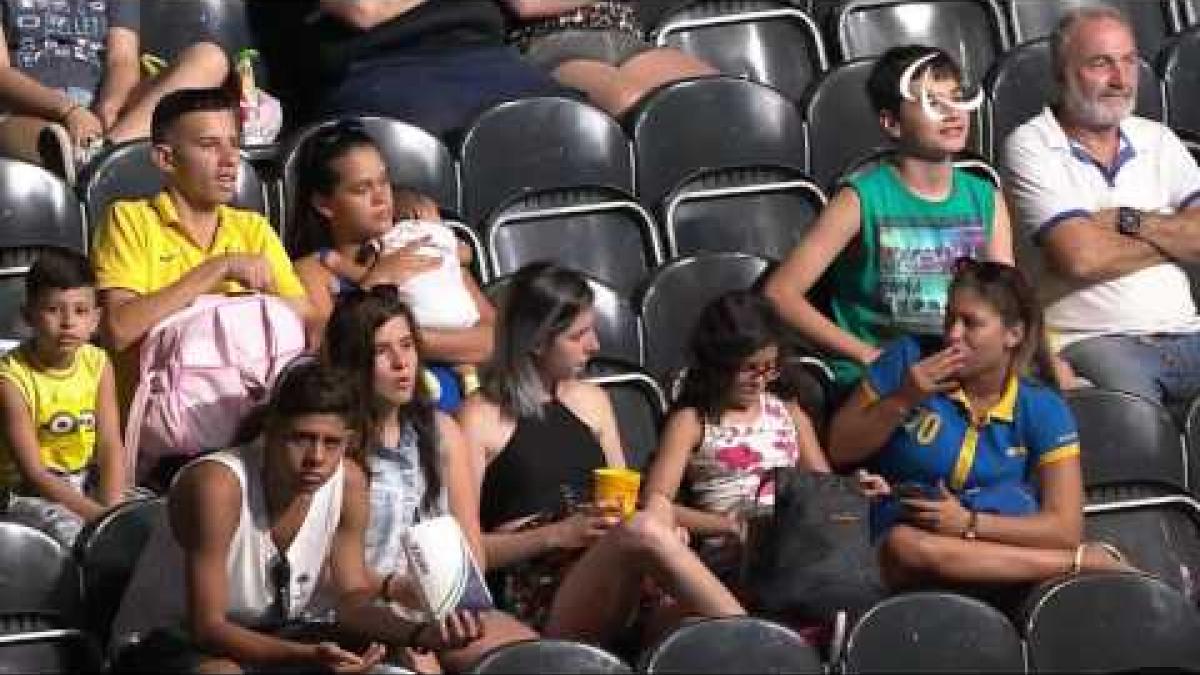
(1110, 201)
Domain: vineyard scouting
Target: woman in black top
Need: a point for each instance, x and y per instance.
(538, 431)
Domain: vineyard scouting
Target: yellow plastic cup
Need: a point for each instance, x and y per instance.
(618, 488)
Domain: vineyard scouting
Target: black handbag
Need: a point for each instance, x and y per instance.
(810, 555)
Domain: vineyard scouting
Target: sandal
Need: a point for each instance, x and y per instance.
(1112, 551)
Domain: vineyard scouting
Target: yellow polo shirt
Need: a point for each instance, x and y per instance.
(141, 248)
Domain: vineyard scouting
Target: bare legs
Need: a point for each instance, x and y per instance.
(199, 66)
(617, 88)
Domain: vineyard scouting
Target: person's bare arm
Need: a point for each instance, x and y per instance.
(1059, 523)
(683, 433)
(27, 455)
(1000, 247)
(1177, 235)
(122, 72)
(460, 483)
(789, 285)
(811, 456)
(110, 447)
(24, 95)
(316, 279)
(366, 14)
(1088, 249)
(465, 345)
(540, 9)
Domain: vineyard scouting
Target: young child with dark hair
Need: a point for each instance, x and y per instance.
(61, 459)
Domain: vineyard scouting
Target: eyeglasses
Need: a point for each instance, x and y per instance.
(280, 572)
(768, 371)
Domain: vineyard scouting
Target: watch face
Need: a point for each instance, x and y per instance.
(1129, 221)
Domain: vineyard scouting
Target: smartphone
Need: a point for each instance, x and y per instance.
(916, 490)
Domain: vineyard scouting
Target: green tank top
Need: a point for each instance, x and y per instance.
(892, 278)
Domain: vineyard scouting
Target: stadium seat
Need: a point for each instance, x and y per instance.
(772, 42)
(1153, 20)
(539, 144)
(107, 550)
(1111, 623)
(415, 159)
(37, 576)
(170, 26)
(125, 171)
(596, 230)
(760, 210)
(933, 632)
(640, 406)
(676, 295)
(1125, 439)
(48, 649)
(1179, 65)
(1191, 442)
(543, 657)
(969, 30)
(1189, 12)
(1021, 85)
(842, 127)
(1157, 530)
(618, 328)
(712, 123)
(732, 645)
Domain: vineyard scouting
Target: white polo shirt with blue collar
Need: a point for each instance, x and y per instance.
(1052, 179)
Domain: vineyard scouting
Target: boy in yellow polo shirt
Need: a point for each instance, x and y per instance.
(155, 256)
(61, 458)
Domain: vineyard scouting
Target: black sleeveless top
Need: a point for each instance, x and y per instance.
(547, 462)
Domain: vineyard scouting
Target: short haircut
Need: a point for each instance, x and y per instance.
(179, 103)
(1066, 26)
(58, 269)
(883, 84)
(313, 388)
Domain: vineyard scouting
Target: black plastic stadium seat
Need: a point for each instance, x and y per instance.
(933, 632)
(1189, 12)
(971, 31)
(596, 230)
(47, 649)
(1111, 623)
(1179, 65)
(538, 657)
(1157, 530)
(676, 295)
(1153, 20)
(712, 123)
(1126, 439)
(640, 406)
(618, 328)
(1021, 84)
(38, 576)
(125, 171)
(760, 210)
(842, 127)
(540, 144)
(415, 159)
(107, 550)
(732, 645)
(773, 42)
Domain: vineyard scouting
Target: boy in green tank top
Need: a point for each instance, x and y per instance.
(892, 233)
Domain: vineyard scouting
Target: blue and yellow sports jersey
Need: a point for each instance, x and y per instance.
(1028, 428)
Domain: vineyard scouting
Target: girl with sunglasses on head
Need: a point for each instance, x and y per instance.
(355, 230)
(982, 461)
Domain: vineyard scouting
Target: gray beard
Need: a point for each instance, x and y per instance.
(1092, 113)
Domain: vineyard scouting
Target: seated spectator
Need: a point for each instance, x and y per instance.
(728, 429)
(155, 256)
(348, 211)
(256, 539)
(890, 237)
(78, 64)
(599, 47)
(1110, 200)
(983, 463)
(63, 462)
(570, 568)
(417, 459)
(431, 63)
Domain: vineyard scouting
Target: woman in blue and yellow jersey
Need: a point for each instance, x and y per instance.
(982, 461)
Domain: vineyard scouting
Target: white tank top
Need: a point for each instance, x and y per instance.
(155, 595)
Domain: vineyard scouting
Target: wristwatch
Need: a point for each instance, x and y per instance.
(1129, 221)
(972, 531)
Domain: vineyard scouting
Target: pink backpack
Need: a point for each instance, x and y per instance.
(202, 370)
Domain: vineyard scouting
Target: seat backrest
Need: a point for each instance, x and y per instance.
(676, 295)
(539, 144)
(1153, 20)
(37, 574)
(545, 656)
(38, 209)
(415, 158)
(640, 406)
(1126, 439)
(170, 26)
(1022, 83)
(732, 645)
(1111, 623)
(710, 123)
(768, 41)
(598, 231)
(1158, 533)
(759, 210)
(842, 126)
(1180, 67)
(618, 328)
(933, 632)
(107, 550)
(126, 172)
(971, 31)
(1189, 12)
(53, 650)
